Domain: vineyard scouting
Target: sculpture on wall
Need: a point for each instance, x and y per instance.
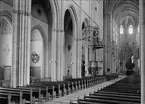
(35, 57)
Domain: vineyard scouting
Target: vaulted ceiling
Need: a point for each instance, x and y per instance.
(124, 11)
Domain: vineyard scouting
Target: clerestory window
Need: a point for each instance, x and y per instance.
(130, 29)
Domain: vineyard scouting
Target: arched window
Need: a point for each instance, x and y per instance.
(121, 30)
(130, 29)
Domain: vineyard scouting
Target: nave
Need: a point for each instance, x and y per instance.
(53, 48)
(112, 89)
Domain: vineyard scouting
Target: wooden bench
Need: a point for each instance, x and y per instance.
(46, 90)
(116, 98)
(121, 92)
(91, 100)
(117, 94)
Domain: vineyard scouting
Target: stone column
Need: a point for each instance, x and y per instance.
(58, 65)
(53, 55)
(27, 42)
(107, 40)
(60, 55)
(14, 68)
(24, 42)
(79, 55)
(60, 45)
(74, 59)
(79, 43)
(21, 40)
(46, 63)
(142, 62)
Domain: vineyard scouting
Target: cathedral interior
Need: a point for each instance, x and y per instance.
(52, 49)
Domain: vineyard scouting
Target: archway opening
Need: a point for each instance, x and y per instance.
(6, 49)
(41, 23)
(37, 52)
(68, 43)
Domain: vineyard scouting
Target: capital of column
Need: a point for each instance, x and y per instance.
(22, 12)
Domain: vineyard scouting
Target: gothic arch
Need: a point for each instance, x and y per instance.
(52, 15)
(72, 15)
(55, 13)
(41, 53)
(7, 15)
(43, 35)
(5, 45)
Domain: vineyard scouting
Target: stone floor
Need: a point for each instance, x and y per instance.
(80, 94)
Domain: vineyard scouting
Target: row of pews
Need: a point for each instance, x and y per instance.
(125, 91)
(46, 90)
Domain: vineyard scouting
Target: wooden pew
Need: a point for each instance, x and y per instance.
(128, 95)
(12, 95)
(91, 100)
(122, 92)
(38, 91)
(116, 98)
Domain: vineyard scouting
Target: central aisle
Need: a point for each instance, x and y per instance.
(74, 96)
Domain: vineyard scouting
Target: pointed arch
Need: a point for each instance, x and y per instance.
(5, 45)
(130, 29)
(43, 35)
(71, 12)
(55, 13)
(74, 18)
(121, 29)
(7, 15)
